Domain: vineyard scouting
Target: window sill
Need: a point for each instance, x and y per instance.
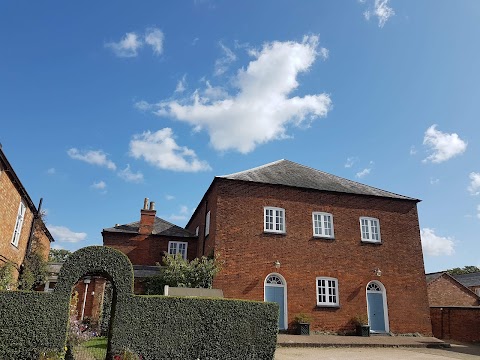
(328, 306)
(274, 232)
(15, 246)
(371, 242)
(317, 237)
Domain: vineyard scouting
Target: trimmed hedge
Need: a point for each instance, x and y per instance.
(160, 327)
(156, 327)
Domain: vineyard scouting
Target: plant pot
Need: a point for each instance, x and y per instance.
(363, 330)
(303, 328)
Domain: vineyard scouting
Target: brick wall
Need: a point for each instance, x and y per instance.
(9, 203)
(93, 300)
(456, 323)
(445, 291)
(249, 253)
(144, 249)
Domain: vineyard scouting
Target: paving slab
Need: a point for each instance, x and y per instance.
(284, 340)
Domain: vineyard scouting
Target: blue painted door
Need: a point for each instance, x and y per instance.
(376, 315)
(276, 294)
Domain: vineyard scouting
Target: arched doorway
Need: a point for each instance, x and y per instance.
(377, 307)
(276, 291)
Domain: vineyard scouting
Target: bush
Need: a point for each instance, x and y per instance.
(6, 276)
(153, 327)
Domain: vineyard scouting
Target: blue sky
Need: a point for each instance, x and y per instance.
(103, 104)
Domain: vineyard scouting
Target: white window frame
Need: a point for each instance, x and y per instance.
(275, 223)
(17, 230)
(370, 230)
(327, 293)
(177, 248)
(323, 216)
(207, 224)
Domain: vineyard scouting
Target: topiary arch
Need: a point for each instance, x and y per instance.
(156, 327)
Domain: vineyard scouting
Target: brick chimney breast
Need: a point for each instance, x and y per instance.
(147, 219)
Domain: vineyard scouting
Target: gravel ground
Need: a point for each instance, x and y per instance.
(462, 352)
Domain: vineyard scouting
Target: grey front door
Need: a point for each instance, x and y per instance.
(376, 313)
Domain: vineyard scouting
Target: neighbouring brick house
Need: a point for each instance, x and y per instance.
(471, 281)
(146, 241)
(445, 290)
(20, 222)
(316, 244)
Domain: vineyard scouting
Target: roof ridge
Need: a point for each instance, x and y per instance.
(254, 168)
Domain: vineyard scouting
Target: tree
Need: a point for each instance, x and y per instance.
(177, 272)
(58, 255)
(469, 269)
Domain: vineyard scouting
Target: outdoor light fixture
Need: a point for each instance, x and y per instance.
(277, 264)
(377, 272)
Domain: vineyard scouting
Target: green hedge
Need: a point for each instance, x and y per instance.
(159, 327)
(156, 327)
(31, 322)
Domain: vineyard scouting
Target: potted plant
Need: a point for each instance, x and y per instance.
(302, 324)
(361, 323)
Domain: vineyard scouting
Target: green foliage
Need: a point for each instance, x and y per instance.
(469, 269)
(34, 270)
(159, 327)
(360, 319)
(106, 309)
(96, 347)
(302, 318)
(198, 273)
(7, 281)
(58, 255)
(154, 327)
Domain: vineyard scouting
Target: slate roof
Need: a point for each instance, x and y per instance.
(289, 173)
(160, 227)
(433, 276)
(468, 279)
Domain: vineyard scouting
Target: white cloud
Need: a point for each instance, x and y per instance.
(155, 37)
(478, 211)
(222, 64)
(474, 187)
(434, 181)
(181, 85)
(413, 150)
(142, 105)
(443, 146)
(160, 149)
(51, 171)
(175, 217)
(350, 161)
(324, 53)
(129, 176)
(183, 209)
(127, 47)
(258, 110)
(94, 157)
(434, 245)
(64, 234)
(169, 197)
(363, 173)
(380, 9)
(99, 185)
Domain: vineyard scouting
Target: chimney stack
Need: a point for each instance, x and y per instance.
(147, 218)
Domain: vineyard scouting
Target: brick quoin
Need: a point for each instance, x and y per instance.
(237, 236)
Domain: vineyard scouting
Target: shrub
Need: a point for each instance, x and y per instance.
(7, 281)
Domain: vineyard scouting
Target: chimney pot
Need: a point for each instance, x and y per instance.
(145, 203)
(152, 205)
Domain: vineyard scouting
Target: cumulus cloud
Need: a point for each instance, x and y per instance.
(99, 185)
(258, 109)
(64, 234)
(126, 47)
(474, 187)
(222, 64)
(154, 37)
(365, 171)
(381, 10)
(94, 157)
(434, 245)
(413, 150)
(161, 150)
(443, 146)
(129, 176)
(434, 181)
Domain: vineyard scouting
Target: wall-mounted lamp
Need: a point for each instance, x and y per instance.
(277, 264)
(377, 272)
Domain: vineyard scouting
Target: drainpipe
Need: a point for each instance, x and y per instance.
(32, 229)
(86, 281)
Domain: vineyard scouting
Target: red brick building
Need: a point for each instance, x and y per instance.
(21, 228)
(445, 290)
(146, 241)
(316, 244)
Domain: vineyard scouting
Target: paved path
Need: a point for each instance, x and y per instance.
(460, 352)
